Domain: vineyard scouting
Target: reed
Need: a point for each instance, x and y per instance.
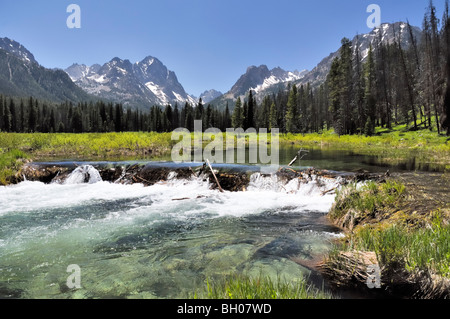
(239, 286)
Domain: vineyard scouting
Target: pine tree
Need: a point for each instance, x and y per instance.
(118, 120)
(245, 116)
(77, 121)
(52, 121)
(333, 81)
(273, 123)
(13, 112)
(250, 116)
(445, 117)
(291, 114)
(176, 117)
(226, 118)
(369, 92)
(237, 117)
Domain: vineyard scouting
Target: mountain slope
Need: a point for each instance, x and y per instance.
(386, 33)
(210, 95)
(259, 80)
(22, 76)
(142, 84)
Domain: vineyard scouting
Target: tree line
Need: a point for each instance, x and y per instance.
(393, 85)
(32, 115)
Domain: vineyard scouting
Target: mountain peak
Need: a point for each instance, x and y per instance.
(210, 95)
(142, 84)
(17, 49)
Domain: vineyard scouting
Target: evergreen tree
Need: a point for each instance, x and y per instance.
(226, 119)
(13, 111)
(237, 117)
(77, 121)
(118, 118)
(250, 116)
(291, 114)
(273, 123)
(176, 118)
(369, 92)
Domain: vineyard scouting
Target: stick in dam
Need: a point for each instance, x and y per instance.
(212, 171)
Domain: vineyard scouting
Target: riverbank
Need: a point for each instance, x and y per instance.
(385, 222)
(401, 226)
(390, 147)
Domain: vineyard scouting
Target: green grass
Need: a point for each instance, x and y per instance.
(413, 249)
(392, 146)
(10, 163)
(367, 199)
(397, 243)
(87, 144)
(261, 287)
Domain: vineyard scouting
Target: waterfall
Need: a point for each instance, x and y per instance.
(314, 186)
(84, 174)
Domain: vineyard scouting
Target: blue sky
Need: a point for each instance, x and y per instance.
(208, 43)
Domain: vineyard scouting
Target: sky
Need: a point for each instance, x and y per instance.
(208, 43)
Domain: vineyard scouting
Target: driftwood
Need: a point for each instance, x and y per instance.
(351, 268)
(215, 177)
(296, 157)
(328, 191)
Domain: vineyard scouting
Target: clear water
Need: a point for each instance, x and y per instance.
(161, 241)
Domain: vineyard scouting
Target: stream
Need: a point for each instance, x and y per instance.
(164, 240)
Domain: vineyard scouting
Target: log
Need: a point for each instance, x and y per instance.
(215, 177)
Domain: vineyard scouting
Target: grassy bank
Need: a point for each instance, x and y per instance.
(261, 287)
(411, 247)
(88, 144)
(393, 146)
(10, 163)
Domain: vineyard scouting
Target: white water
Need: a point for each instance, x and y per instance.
(85, 219)
(84, 174)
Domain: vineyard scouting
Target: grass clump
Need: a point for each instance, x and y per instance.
(366, 200)
(10, 163)
(261, 287)
(413, 250)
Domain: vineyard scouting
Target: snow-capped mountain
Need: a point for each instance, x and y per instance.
(142, 84)
(387, 33)
(17, 49)
(258, 79)
(264, 81)
(210, 95)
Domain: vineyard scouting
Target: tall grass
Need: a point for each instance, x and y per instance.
(261, 287)
(414, 249)
(10, 162)
(86, 144)
(366, 199)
